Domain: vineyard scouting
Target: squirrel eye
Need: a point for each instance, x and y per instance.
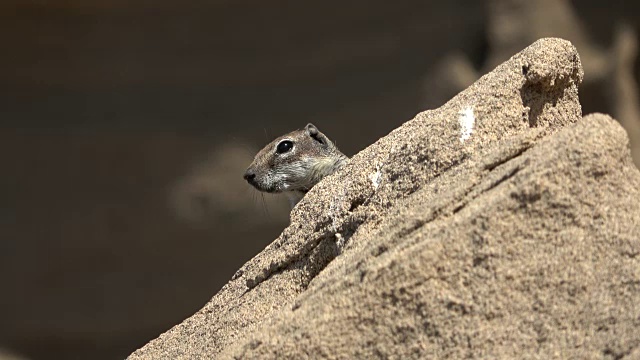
(284, 146)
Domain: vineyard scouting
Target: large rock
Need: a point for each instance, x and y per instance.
(499, 225)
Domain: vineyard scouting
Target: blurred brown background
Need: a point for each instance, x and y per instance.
(125, 128)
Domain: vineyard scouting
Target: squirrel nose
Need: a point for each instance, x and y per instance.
(250, 175)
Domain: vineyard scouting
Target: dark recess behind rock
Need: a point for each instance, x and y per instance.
(125, 127)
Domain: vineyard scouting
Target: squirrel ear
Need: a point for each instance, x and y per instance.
(313, 131)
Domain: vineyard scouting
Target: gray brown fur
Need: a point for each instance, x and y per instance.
(294, 172)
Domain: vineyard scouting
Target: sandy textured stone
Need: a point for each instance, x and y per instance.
(499, 225)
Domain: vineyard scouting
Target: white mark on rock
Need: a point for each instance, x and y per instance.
(467, 120)
(376, 177)
(340, 242)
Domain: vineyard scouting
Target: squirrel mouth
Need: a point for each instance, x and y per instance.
(269, 190)
(262, 188)
(262, 184)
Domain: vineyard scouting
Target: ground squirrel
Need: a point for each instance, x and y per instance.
(293, 163)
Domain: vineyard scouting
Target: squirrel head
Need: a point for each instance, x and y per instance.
(294, 162)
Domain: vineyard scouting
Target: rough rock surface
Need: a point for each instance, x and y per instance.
(499, 225)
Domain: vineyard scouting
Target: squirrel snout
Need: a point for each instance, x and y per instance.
(250, 176)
